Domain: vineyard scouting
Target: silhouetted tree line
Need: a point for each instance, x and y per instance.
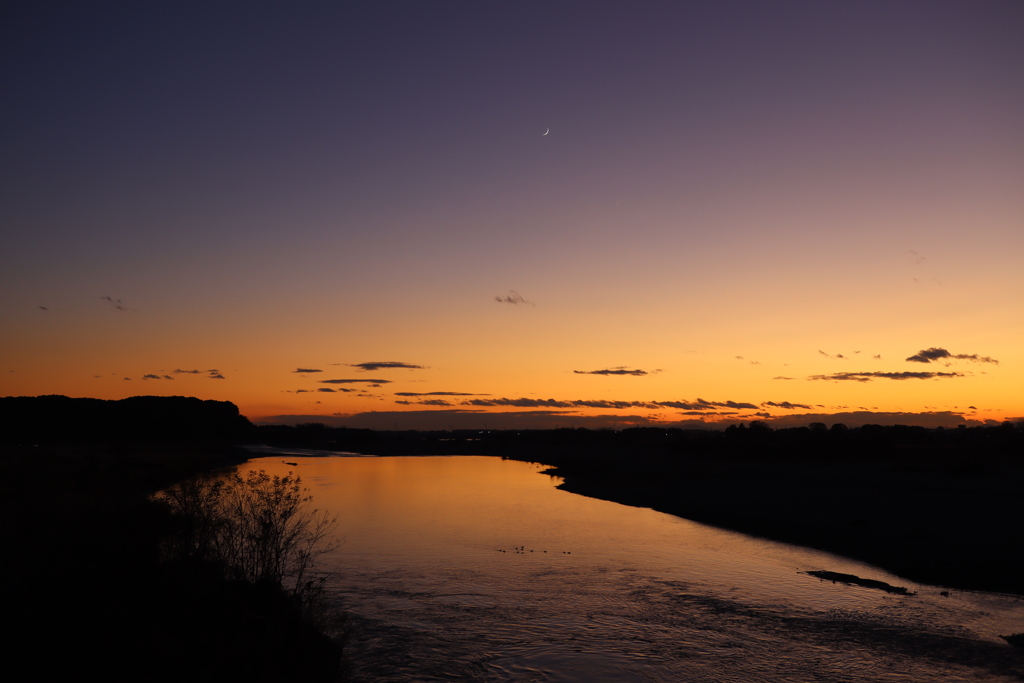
(755, 439)
(60, 419)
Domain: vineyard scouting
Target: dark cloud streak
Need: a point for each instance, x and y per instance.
(621, 370)
(514, 298)
(936, 353)
(211, 374)
(868, 376)
(437, 393)
(116, 303)
(699, 405)
(355, 381)
(384, 365)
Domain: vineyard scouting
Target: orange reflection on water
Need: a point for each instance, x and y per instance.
(461, 511)
(482, 526)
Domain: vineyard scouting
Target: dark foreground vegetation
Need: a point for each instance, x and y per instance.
(101, 578)
(939, 506)
(97, 584)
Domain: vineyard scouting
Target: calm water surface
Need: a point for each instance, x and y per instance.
(478, 569)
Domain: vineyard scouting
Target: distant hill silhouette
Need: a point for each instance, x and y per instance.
(29, 420)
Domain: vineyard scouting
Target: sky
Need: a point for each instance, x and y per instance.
(441, 215)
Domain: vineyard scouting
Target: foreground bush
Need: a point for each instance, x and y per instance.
(258, 528)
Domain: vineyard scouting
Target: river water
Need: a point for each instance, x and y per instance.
(473, 568)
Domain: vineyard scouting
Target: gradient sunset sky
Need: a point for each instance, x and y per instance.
(515, 214)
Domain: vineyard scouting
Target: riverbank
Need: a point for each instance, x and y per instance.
(935, 506)
(923, 522)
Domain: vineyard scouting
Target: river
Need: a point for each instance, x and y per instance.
(473, 568)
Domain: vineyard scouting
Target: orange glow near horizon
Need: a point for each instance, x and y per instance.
(762, 238)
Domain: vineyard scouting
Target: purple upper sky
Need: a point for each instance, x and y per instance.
(263, 186)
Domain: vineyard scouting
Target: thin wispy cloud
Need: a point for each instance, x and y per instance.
(613, 405)
(518, 402)
(436, 393)
(620, 370)
(699, 404)
(869, 376)
(384, 365)
(324, 390)
(837, 356)
(304, 370)
(373, 382)
(212, 374)
(786, 405)
(707, 413)
(116, 303)
(42, 308)
(157, 377)
(514, 298)
(935, 353)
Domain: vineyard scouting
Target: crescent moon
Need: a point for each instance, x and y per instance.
(547, 131)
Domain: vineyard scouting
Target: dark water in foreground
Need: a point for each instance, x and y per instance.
(478, 569)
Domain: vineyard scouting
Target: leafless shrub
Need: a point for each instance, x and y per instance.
(258, 528)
